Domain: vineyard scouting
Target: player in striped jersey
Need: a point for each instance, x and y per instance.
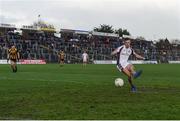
(13, 56)
(61, 56)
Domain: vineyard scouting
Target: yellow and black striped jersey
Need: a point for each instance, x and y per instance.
(13, 53)
(61, 55)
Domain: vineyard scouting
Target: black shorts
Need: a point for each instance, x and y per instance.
(119, 67)
(14, 60)
(62, 59)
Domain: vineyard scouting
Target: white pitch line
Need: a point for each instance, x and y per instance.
(5, 78)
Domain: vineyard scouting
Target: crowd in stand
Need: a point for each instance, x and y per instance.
(98, 47)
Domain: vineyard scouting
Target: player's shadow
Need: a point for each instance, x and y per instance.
(158, 90)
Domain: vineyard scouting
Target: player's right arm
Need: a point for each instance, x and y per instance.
(8, 55)
(58, 55)
(18, 56)
(87, 57)
(115, 51)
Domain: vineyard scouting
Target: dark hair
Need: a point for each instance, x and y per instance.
(125, 39)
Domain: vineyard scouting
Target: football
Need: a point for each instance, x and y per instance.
(119, 82)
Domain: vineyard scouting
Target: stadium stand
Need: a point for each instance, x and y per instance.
(34, 43)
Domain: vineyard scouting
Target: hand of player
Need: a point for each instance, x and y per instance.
(7, 60)
(145, 59)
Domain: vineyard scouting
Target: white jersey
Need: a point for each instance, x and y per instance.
(123, 54)
(85, 57)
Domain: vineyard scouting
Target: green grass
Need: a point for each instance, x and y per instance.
(74, 92)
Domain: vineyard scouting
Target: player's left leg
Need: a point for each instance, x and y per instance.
(84, 63)
(13, 66)
(131, 70)
(61, 62)
(134, 73)
(133, 87)
(130, 78)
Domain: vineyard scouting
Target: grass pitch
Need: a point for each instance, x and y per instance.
(74, 92)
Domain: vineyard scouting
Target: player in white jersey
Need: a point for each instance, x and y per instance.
(85, 58)
(123, 52)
